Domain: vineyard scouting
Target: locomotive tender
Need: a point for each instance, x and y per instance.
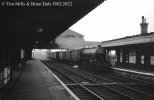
(92, 59)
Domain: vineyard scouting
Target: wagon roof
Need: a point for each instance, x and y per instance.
(91, 50)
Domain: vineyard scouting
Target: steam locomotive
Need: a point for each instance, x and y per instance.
(91, 59)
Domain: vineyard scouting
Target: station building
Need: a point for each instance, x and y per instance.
(69, 39)
(72, 40)
(134, 51)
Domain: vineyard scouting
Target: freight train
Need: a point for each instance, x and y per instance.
(91, 59)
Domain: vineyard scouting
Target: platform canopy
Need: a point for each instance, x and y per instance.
(24, 25)
(130, 40)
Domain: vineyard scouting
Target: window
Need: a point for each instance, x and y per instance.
(132, 57)
(152, 60)
(142, 59)
(120, 55)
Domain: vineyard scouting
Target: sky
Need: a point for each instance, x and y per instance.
(115, 19)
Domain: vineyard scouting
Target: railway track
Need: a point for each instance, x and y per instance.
(86, 84)
(128, 89)
(115, 78)
(146, 87)
(79, 90)
(124, 79)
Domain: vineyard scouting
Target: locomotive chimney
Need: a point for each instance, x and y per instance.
(99, 46)
(144, 26)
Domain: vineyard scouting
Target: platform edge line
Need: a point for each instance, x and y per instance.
(67, 89)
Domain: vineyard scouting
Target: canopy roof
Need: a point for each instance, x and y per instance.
(22, 26)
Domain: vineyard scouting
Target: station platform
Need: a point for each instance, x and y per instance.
(37, 82)
(141, 73)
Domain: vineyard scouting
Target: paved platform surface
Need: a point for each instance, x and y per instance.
(37, 83)
(137, 70)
